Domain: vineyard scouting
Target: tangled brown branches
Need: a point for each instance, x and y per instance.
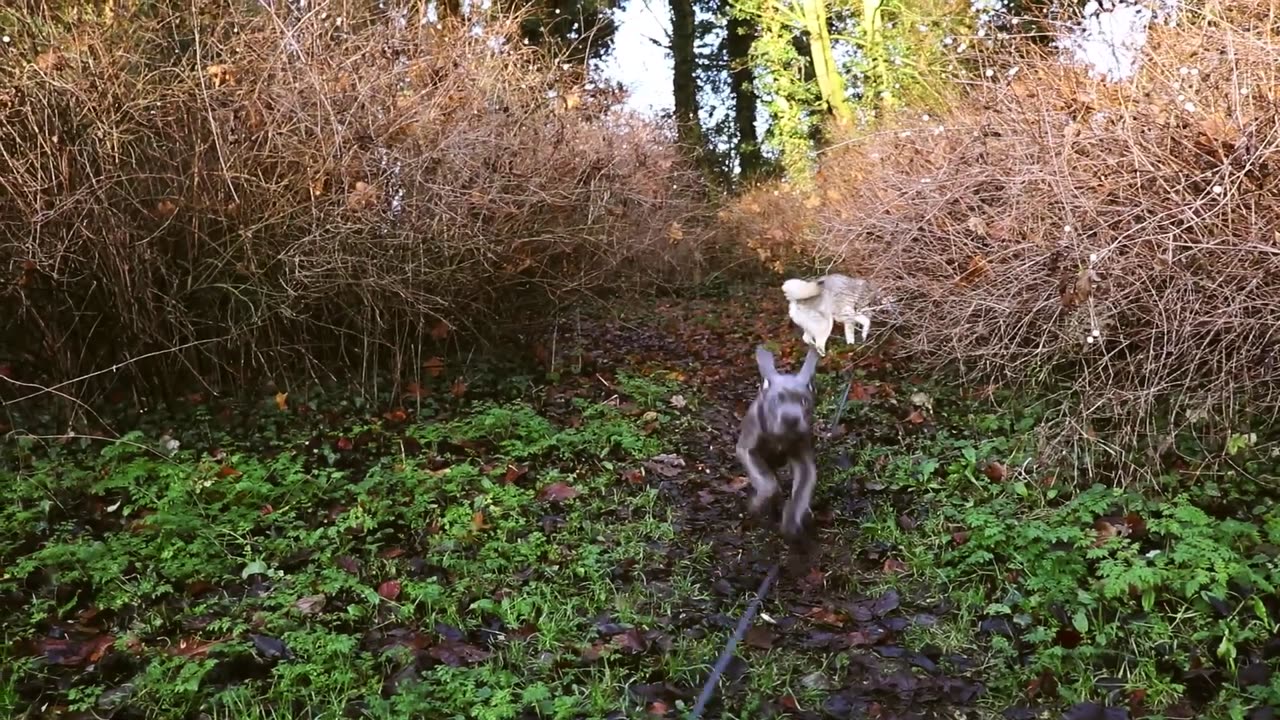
(1123, 237)
(312, 188)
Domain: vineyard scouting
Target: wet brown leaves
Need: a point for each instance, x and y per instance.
(558, 492)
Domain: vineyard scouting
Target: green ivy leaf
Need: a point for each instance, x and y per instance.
(1080, 621)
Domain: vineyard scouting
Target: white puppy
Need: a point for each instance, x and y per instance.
(817, 304)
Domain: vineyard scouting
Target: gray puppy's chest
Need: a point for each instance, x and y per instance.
(777, 450)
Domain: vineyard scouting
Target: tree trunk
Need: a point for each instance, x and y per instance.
(684, 74)
(873, 46)
(742, 76)
(830, 82)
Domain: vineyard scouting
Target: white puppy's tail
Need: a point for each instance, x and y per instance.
(796, 289)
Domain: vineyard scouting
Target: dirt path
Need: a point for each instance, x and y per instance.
(395, 566)
(844, 604)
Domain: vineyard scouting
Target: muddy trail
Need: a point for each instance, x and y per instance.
(835, 598)
(350, 582)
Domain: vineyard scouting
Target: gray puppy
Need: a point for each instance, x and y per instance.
(778, 430)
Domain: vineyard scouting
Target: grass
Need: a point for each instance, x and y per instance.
(1160, 599)
(568, 544)
(490, 541)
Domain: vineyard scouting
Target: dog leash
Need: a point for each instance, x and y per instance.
(844, 398)
(723, 662)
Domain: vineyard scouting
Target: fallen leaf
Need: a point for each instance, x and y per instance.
(825, 616)
(349, 564)
(282, 401)
(271, 648)
(760, 637)
(390, 553)
(456, 654)
(858, 638)
(631, 641)
(362, 196)
(1106, 529)
(396, 416)
(635, 476)
(434, 366)
(199, 587)
(389, 590)
(166, 209)
(816, 681)
(859, 392)
(666, 465)
(557, 493)
(192, 647)
(113, 699)
(344, 444)
(977, 268)
(221, 75)
(514, 473)
(889, 601)
(995, 471)
(916, 417)
(94, 650)
(594, 651)
(1069, 638)
(478, 522)
(311, 604)
(459, 387)
(814, 580)
(894, 565)
(1136, 525)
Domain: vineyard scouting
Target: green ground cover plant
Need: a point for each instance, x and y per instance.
(568, 542)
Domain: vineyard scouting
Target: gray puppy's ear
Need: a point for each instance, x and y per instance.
(764, 361)
(810, 365)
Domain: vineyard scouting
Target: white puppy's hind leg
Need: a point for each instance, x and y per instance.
(865, 322)
(821, 336)
(850, 335)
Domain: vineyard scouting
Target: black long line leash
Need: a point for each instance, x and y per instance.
(739, 632)
(723, 662)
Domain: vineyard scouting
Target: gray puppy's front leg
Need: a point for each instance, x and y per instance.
(758, 472)
(804, 474)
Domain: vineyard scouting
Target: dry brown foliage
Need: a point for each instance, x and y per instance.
(775, 223)
(1123, 237)
(312, 188)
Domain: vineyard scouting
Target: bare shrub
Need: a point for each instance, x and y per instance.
(774, 222)
(1123, 237)
(266, 191)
